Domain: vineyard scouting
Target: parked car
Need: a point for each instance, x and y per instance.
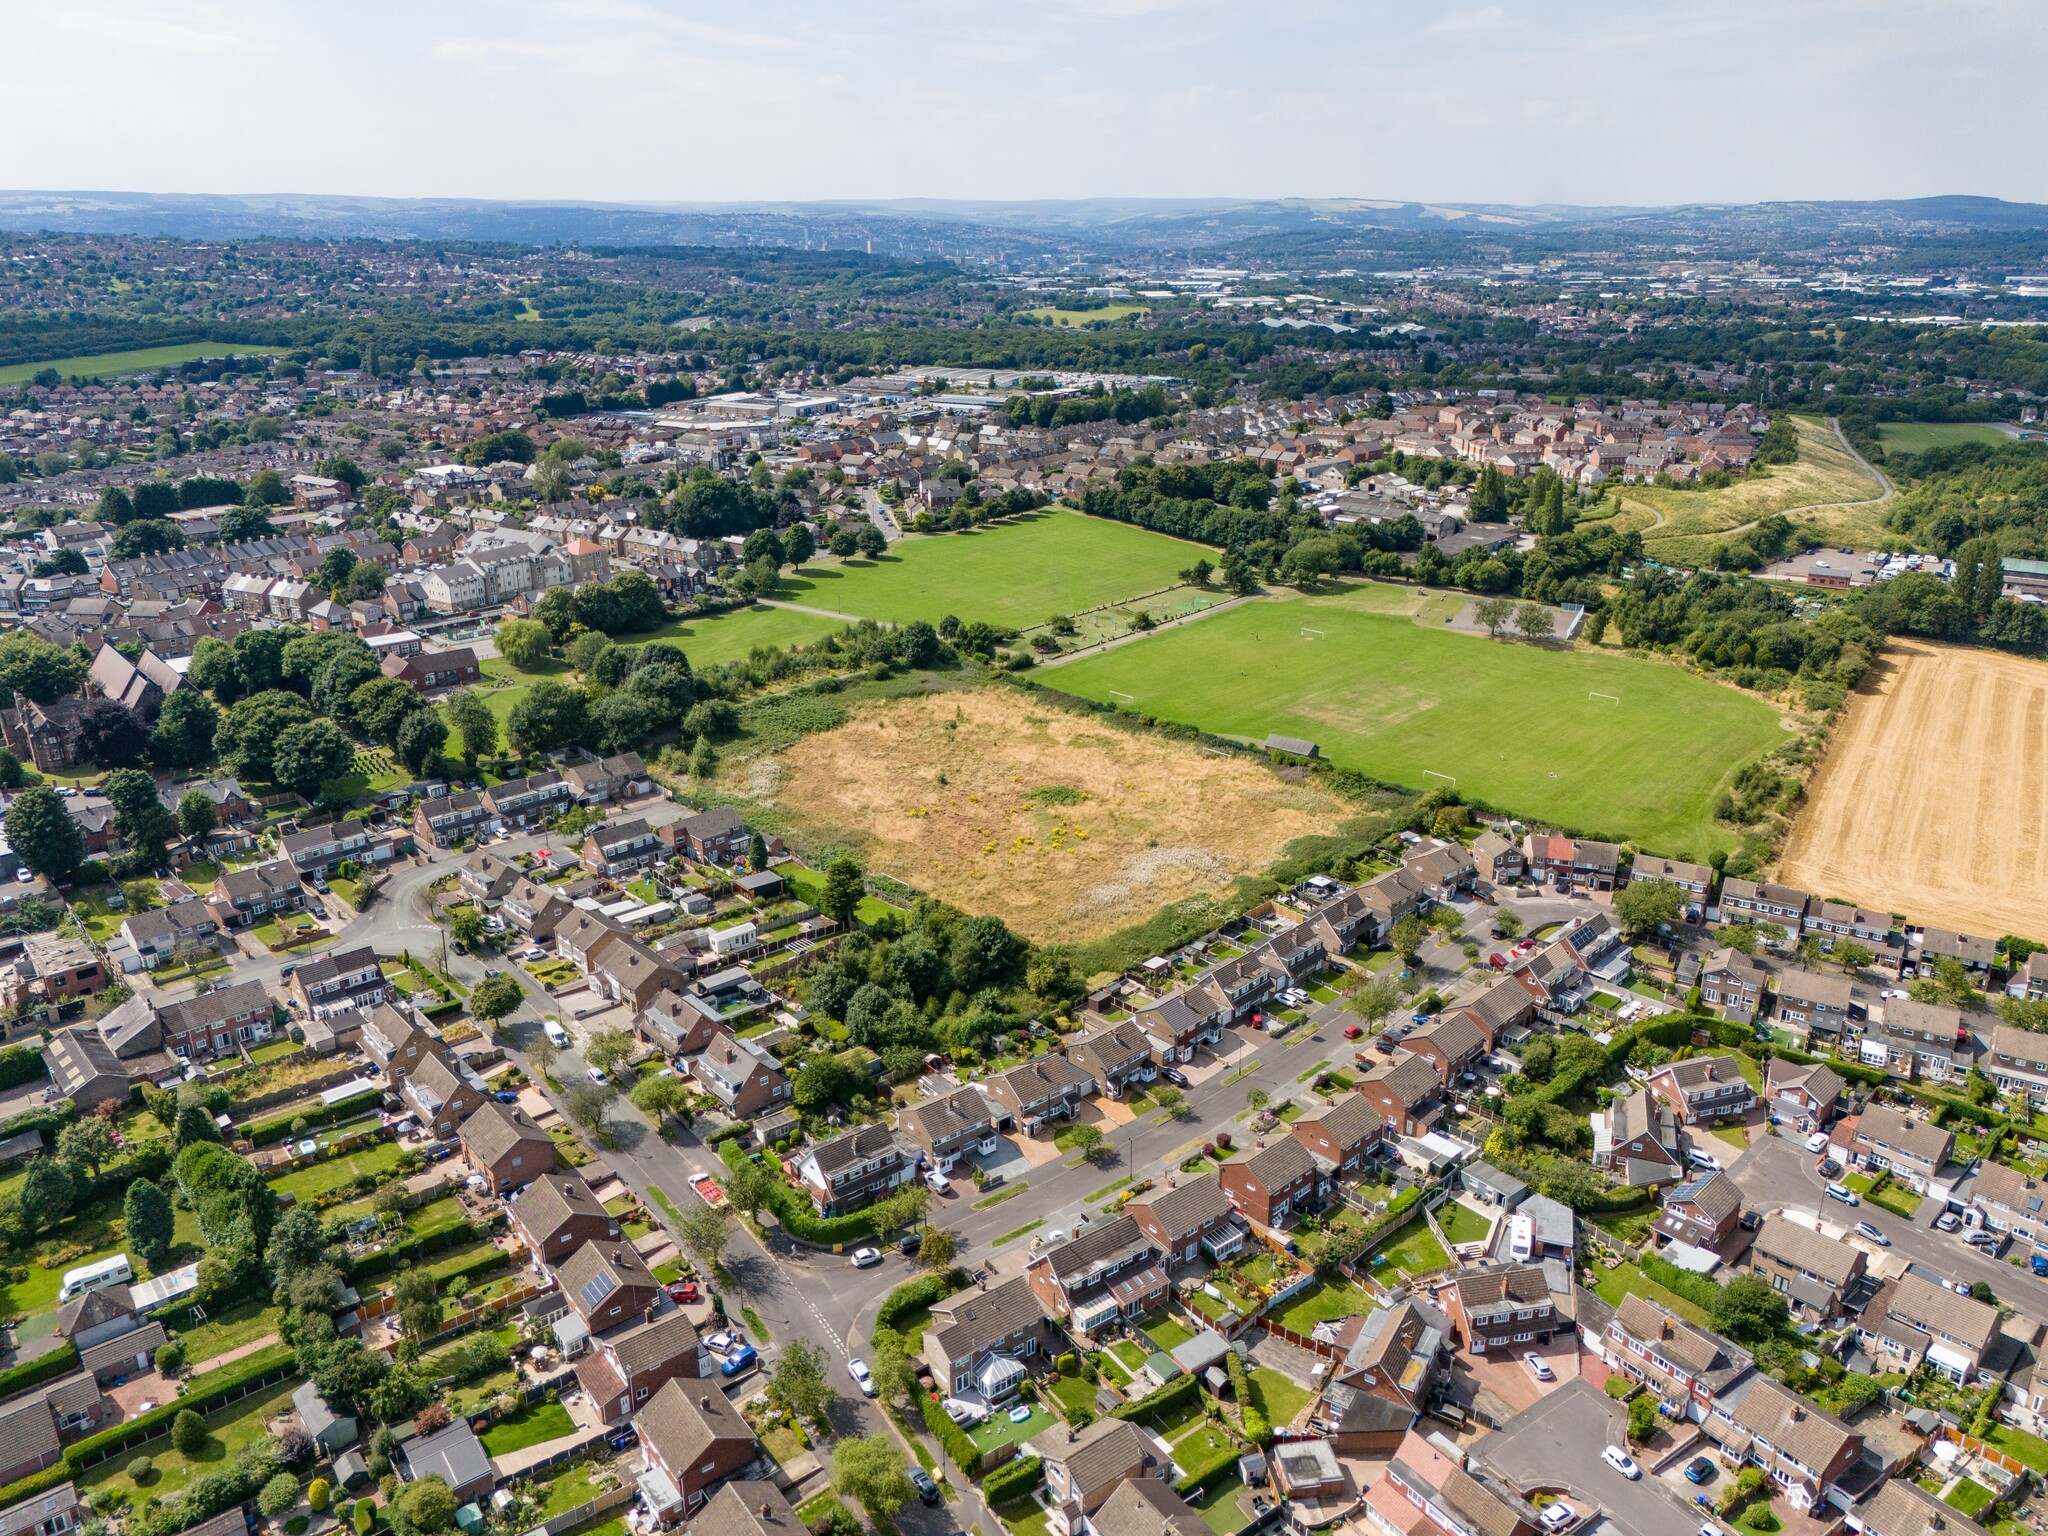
(1817, 1142)
(937, 1182)
(1352, 1032)
(739, 1360)
(866, 1258)
(595, 1074)
(506, 1096)
(1843, 1193)
(1705, 1160)
(1870, 1234)
(909, 1243)
(1557, 1516)
(23, 875)
(683, 1291)
(1947, 1221)
(921, 1480)
(1829, 1168)
(1538, 1367)
(1622, 1462)
(1175, 1076)
(1699, 1471)
(862, 1377)
(1498, 961)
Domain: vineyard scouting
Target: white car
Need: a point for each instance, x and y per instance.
(1705, 1160)
(1817, 1142)
(1843, 1193)
(1557, 1516)
(1622, 1462)
(862, 1377)
(23, 875)
(595, 1074)
(1538, 1367)
(1870, 1234)
(722, 1343)
(1056, 1235)
(864, 1258)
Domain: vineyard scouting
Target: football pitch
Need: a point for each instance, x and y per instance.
(1606, 745)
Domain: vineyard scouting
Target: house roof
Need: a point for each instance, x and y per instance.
(551, 1201)
(961, 1113)
(1927, 1307)
(1929, 1143)
(1697, 1072)
(1485, 1290)
(123, 1348)
(1187, 1207)
(653, 1345)
(494, 1129)
(1817, 1078)
(1716, 1196)
(1041, 1078)
(1900, 1508)
(596, 1272)
(1148, 1506)
(1803, 1248)
(857, 1145)
(28, 1432)
(93, 1308)
(1081, 1252)
(1801, 986)
(1693, 1348)
(1278, 1165)
(685, 1419)
(1107, 1449)
(1411, 1079)
(1348, 1121)
(748, 1509)
(453, 1452)
(1810, 1435)
(965, 1325)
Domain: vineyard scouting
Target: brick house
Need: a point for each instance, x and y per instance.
(1811, 1271)
(854, 1169)
(608, 1286)
(622, 848)
(1502, 1308)
(716, 836)
(692, 1440)
(1110, 1271)
(1761, 901)
(442, 1093)
(1406, 1091)
(242, 897)
(1806, 1095)
(1814, 1004)
(624, 1369)
(1703, 1213)
(1911, 1322)
(976, 1340)
(1701, 1088)
(1342, 1136)
(1190, 1221)
(2006, 1199)
(218, 1022)
(1732, 984)
(1450, 1043)
(1884, 1138)
(1115, 1055)
(1275, 1186)
(556, 1215)
(1039, 1092)
(959, 1125)
(1687, 1366)
(502, 1143)
(1801, 1448)
(427, 671)
(1179, 1025)
(1636, 1139)
(746, 1079)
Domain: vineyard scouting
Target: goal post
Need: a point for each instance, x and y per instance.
(1449, 778)
(1118, 693)
(1611, 698)
(1308, 632)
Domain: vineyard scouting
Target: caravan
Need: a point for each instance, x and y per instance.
(96, 1277)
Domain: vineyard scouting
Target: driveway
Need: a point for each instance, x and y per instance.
(1512, 1383)
(1556, 1445)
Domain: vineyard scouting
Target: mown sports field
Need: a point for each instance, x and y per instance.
(1515, 725)
(104, 365)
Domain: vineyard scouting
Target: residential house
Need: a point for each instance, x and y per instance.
(1392, 1362)
(1275, 1186)
(350, 978)
(1499, 861)
(536, 910)
(484, 877)
(1695, 880)
(1041, 1091)
(1115, 1055)
(1928, 1041)
(1835, 920)
(678, 1023)
(2018, 1063)
(431, 671)
(217, 1023)
(2030, 979)
(1084, 1467)
(1342, 1136)
(1801, 1448)
(1571, 861)
(97, 1316)
(1911, 1322)
(2006, 1199)
(1504, 1006)
(84, 1069)
(747, 1509)
(502, 1143)
(609, 1286)
(1811, 1271)
(442, 1093)
(1901, 1507)
(524, 801)
(622, 848)
(157, 934)
(854, 1169)
(62, 966)
(244, 897)
(1702, 1088)
(1450, 1043)
(620, 777)
(625, 970)
(395, 1041)
(1424, 1491)
(1885, 1138)
(57, 1512)
(626, 1367)
(1733, 984)
(1111, 1270)
(977, 1340)
(1703, 1213)
(1762, 901)
(1179, 1025)
(959, 1125)
(1446, 871)
(1686, 1366)
(1806, 1095)
(1813, 1003)
(1977, 956)
(716, 836)
(1636, 1139)
(1407, 1093)
(442, 821)
(1190, 1221)
(130, 1354)
(1143, 1506)
(321, 850)
(1502, 1308)
(745, 1078)
(693, 1440)
(556, 1215)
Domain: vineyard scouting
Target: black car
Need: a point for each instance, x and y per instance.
(1699, 1470)
(1177, 1078)
(927, 1490)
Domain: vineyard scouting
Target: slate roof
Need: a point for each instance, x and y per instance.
(1147, 1506)
(1187, 1207)
(551, 1200)
(685, 1419)
(965, 1325)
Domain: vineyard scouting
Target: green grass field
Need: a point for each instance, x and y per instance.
(1918, 436)
(731, 636)
(1071, 317)
(1018, 574)
(107, 364)
(1514, 725)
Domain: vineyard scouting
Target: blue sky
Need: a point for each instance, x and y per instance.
(638, 100)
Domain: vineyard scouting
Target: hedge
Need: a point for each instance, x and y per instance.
(950, 1435)
(403, 1253)
(794, 1211)
(1695, 1288)
(202, 1393)
(265, 1132)
(57, 1362)
(470, 1268)
(1257, 1427)
(20, 1064)
(1012, 1480)
(1172, 1395)
(921, 1292)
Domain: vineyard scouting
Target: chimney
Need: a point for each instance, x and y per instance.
(1666, 1330)
(764, 1509)
(704, 1403)
(1798, 1413)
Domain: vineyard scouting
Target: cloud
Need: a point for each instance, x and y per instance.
(154, 32)
(1490, 19)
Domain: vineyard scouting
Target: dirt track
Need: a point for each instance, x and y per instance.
(1933, 800)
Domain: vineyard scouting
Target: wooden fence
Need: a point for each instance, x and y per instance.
(569, 1519)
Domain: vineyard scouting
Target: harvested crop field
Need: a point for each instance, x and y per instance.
(1065, 827)
(1933, 799)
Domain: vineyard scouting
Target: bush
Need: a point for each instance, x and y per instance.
(140, 1468)
(170, 1357)
(366, 1516)
(1013, 1480)
(318, 1494)
(58, 1362)
(794, 1210)
(1066, 1365)
(1156, 1404)
(921, 1292)
(1257, 1427)
(278, 1495)
(188, 1433)
(950, 1435)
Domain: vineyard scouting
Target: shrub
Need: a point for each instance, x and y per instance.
(366, 1516)
(188, 1433)
(1012, 1480)
(170, 1357)
(278, 1495)
(318, 1494)
(140, 1468)
(1066, 1365)
(1157, 1403)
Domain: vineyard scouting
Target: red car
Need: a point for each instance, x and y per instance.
(683, 1291)
(1352, 1031)
(1498, 962)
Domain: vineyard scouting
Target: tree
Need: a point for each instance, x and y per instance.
(894, 1371)
(524, 642)
(1089, 1141)
(1507, 925)
(420, 741)
(467, 927)
(1748, 1310)
(194, 1123)
(609, 1049)
(310, 753)
(112, 734)
(1644, 906)
(1257, 1099)
(495, 997)
(44, 837)
(871, 1470)
(662, 1097)
(1642, 1418)
(278, 1495)
(1171, 1101)
(147, 1220)
(87, 1144)
(1493, 612)
(1406, 937)
(1374, 998)
(936, 1249)
(540, 1050)
(474, 723)
(418, 1298)
(1853, 956)
(382, 705)
(426, 1505)
(197, 814)
(248, 737)
(297, 1243)
(799, 544)
(238, 524)
(148, 536)
(591, 1102)
(1740, 937)
(705, 1232)
(1533, 620)
(139, 815)
(841, 895)
(188, 1433)
(800, 1386)
(551, 715)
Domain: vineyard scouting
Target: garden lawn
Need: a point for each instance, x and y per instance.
(810, 884)
(1000, 1431)
(1626, 1280)
(1203, 1449)
(2021, 1447)
(1283, 1399)
(1168, 1334)
(1414, 1250)
(1018, 574)
(1515, 725)
(306, 1183)
(239, 1323)
(228, 1430)
(1324, 1302)
(1217, 1505)
(531, 1425)
(1025, 1518)
(572, 1486)
(1968, 1496)
(1461, 1223)
(1073, 1392)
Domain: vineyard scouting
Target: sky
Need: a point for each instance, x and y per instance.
(1650, 102)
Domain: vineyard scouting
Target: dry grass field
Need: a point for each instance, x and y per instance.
(1064, 827)
(1933, 800)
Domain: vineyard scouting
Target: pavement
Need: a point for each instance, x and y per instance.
(1555, 1446)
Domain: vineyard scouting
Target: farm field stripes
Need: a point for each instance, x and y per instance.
(1518, 727)
(107, 364)
(1019, 574)
(1918, 436)
(1933, 798)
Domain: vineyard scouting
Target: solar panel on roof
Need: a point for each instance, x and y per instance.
(597, 1288)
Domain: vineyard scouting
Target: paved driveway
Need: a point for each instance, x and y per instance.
(1557, 1444)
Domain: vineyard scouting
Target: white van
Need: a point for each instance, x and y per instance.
(96, 1277)
(558, 1037)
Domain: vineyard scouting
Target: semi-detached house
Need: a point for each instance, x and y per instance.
(745, 1078)
(854, 1169)
(1803, 1449)
(1110, 1271)
(2004, 1199)
(1041, 1091)
(1811, 1271)
(1688, 1367)
(1190, 1221)
(959, 1125)
(1882, 1138)
(2018, 1063)
(1115, 1056)
(1277, 1185)
(1911, 1321)
(1702, 1088)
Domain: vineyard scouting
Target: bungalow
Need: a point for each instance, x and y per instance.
(1807, 1095)
(1190, 1220)
(1911, 1322)
(854, 1169)
(692, 1440)
(1042, 1090)
(1341, 1137)
(1636, 1140)
(1277, 1185)
(556, 1215)
(1502, 1308)
(428, 671)
(746, 1079)
(1703, 1213)
(1114, 1055)
(976, 1340)
(1811, 1271)
(1702, 1088)
(959, 1125)
(1883, 1138)
(1814, 1004)
(628, 1366)
(1108, 1272)
(1687, 1366)
(242, 897)
(1732, 984)
(502, 1143)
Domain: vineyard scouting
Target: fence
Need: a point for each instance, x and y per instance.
(569, 1519)
(247, 1109)
(282, 1373)
(1976, 1447)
